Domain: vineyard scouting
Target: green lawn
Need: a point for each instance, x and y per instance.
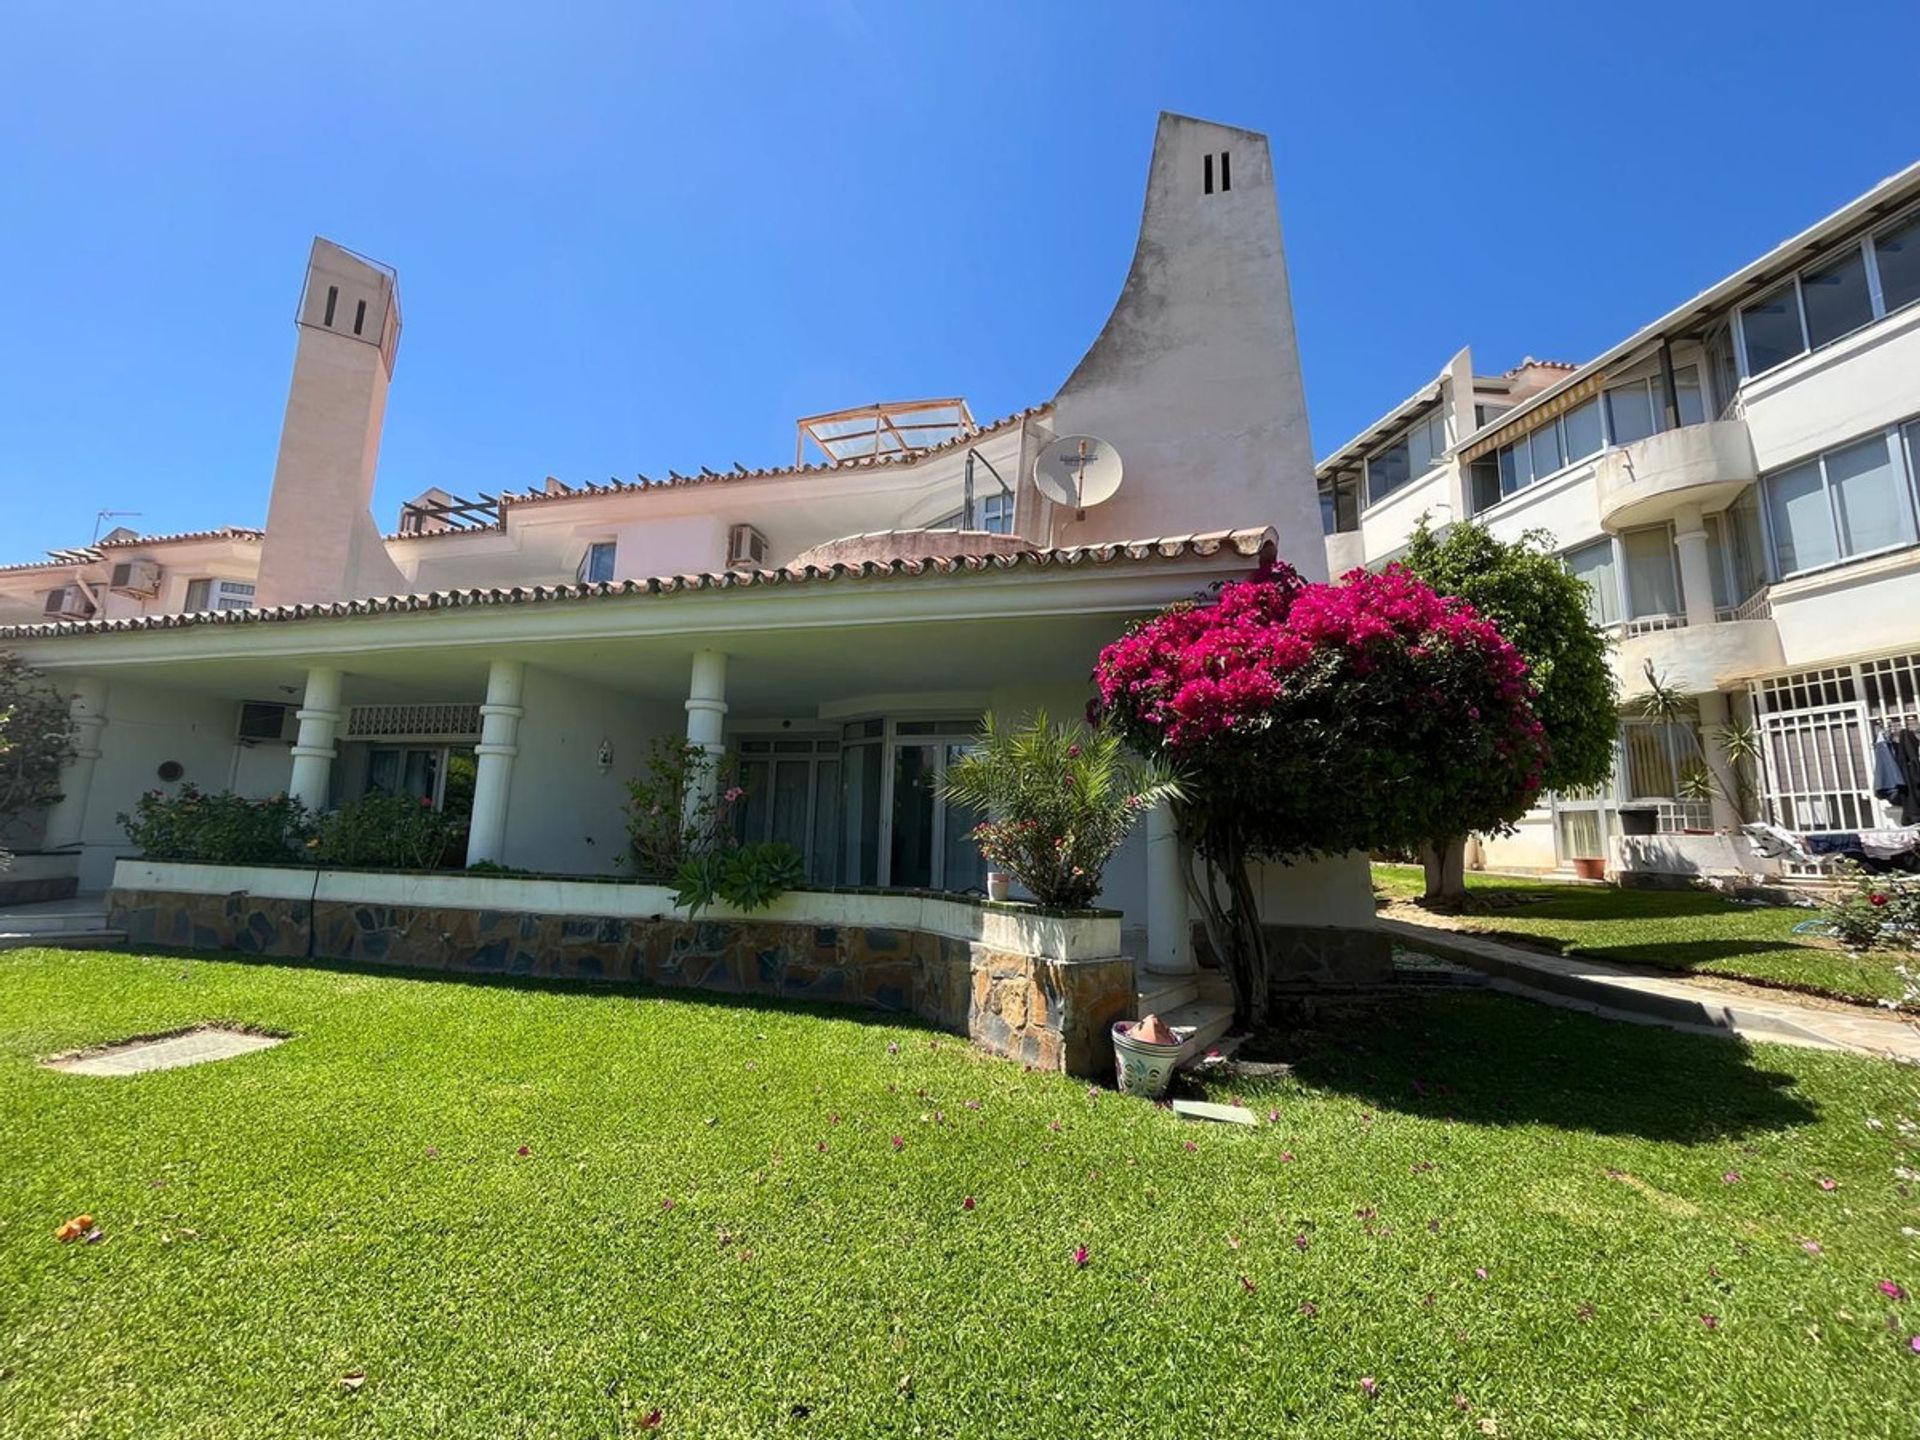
(714, 1218)
(1672, 929)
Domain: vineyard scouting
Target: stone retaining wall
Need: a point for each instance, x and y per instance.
(1051, 1013)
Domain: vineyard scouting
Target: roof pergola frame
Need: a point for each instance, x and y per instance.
(883, 428)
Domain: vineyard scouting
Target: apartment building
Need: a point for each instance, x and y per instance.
(1739, 484)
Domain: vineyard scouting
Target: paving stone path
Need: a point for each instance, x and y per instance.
(1724, 1009)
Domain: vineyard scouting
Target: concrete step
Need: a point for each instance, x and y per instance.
(1158, 994)
(55, 917)
(1208, 1022)
(63, 939)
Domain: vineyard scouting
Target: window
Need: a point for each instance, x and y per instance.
(1584, 434)
(1547, 453)
(1836, 298)
(1485, 415)
(1226, 172)
(1896, 254)
(1483, 480)
(1653, 582)
(1850, 501)
(1630, 412)
(1771, 328)
(596, 566)
(1340, 504)
(993, 513)
(1595, 565)
(1868, 497)
(210, 594)
(1802, 523)
(359, 317)
(1409, 457)
(1734, 546)
(333, 299)
(1826, 301)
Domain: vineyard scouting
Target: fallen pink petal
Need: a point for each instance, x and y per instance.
(1827, 1183)
(1893, 1290)
(1732, 1177)
(1369, 1386)
(1480, 1272)
(1712, 1322)
(1080, 1255)
(967, 1204)
(899, 1142)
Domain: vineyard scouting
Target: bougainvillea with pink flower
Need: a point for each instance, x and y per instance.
(1316, 719)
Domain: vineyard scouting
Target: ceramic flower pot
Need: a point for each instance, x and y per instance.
(1589, 867)
(1141, 1068)
(998, 883)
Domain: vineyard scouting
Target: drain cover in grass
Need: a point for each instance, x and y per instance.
(165, 1052)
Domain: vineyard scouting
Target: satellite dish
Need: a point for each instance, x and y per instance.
(1077, 471)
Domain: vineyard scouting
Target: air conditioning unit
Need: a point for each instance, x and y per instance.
(139, 578)
(263, 720)
(745, 546)
(69, 602)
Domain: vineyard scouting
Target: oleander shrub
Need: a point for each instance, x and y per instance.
(219, 828)
(384, 832)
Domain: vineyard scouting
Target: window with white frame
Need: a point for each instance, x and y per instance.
(1847, 290)
(1845, 503)
(207, 593)
(1737, 551)
(1595, 565)
(1619, 415)
(1412, 454)
(992, 513)
(596, 566)
(1340, 503)
(1633, 576)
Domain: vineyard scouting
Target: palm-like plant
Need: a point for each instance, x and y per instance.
(1057, 802)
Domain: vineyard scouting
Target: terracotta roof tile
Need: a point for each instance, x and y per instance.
(1251, 544)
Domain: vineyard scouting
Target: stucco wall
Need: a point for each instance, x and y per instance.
(563, 813)
(145, 727)
(1196, 376)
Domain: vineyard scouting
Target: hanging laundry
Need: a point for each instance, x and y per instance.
(1889, 776)
(1906, 748)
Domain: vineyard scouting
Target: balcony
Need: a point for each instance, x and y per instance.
(1696, 659)
(1652, 479)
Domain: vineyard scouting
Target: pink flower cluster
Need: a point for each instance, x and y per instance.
(1197, 672)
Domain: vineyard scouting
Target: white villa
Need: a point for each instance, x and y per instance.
(1737, 483)
(841, 623)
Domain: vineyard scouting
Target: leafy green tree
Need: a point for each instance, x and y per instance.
(1541, 608)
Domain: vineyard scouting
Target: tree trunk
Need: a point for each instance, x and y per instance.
(1445, 862)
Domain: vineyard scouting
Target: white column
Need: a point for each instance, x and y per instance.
(1169, 948)
(87, 708)
(313, 751)
(1713, 723)
(1696, 565)
(706, 720)
(493, 767)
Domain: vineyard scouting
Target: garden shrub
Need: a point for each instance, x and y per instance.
(384, 832)
(751, 877)
(218, 829)
(1875, 912)
(660, 832)
(1058, 801)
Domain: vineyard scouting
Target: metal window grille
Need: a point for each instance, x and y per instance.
(413, 722)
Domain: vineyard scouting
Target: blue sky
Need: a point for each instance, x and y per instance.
(638, 236)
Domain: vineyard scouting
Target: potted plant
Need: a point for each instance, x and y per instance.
(1057, 801)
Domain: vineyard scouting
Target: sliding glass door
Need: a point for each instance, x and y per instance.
(897, 828)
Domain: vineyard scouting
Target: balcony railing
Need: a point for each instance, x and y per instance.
(1647, 624)
(1757, 606)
